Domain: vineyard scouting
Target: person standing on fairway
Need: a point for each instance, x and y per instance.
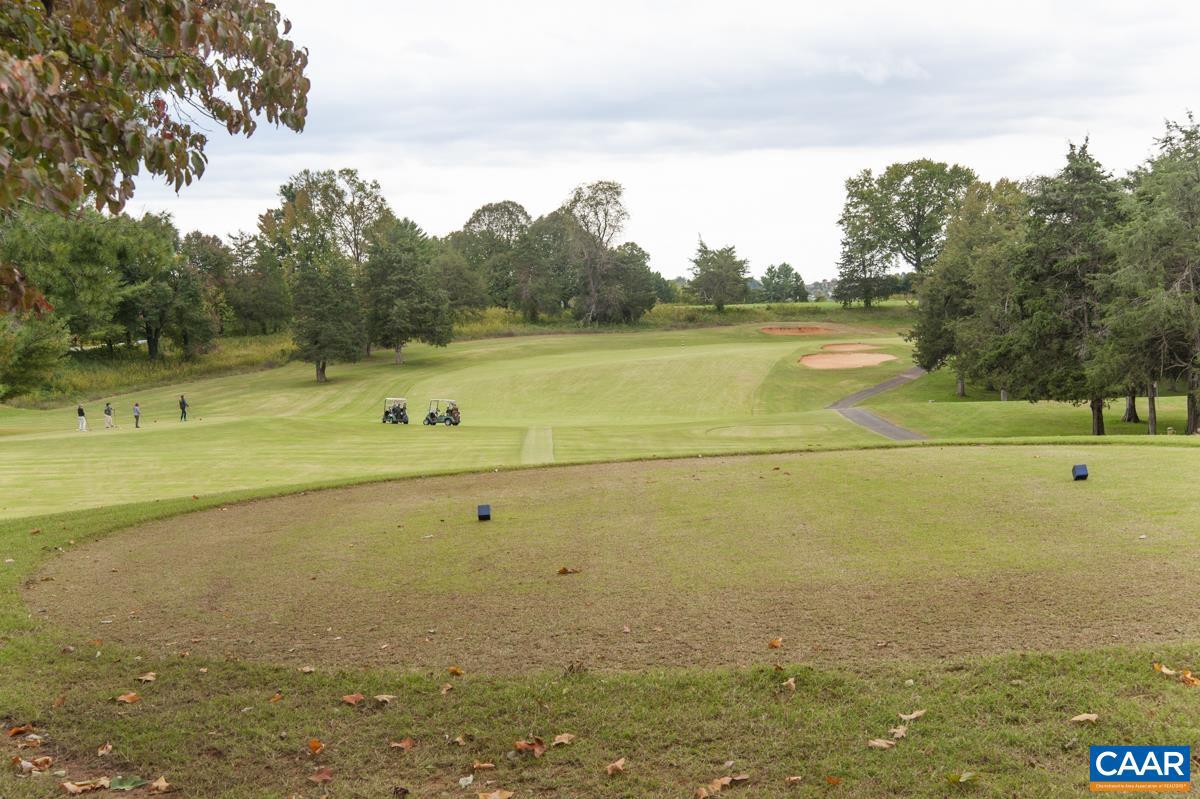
(82, 418)
(137, 415)
(108, 420)
(183, 406)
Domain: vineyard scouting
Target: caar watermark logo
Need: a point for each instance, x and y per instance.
(1148, 769)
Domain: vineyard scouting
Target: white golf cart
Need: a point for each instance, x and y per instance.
(395, 410)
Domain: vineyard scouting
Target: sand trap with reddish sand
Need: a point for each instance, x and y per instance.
(845, 360)
(800, 330)
(850, 347)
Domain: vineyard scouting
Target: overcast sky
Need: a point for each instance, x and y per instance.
(737, 122)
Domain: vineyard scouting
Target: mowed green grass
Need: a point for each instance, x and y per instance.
(930, 406)
(905, 539)
(565, 398)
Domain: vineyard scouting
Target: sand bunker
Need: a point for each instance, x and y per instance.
(845, 360)
(850, 347)
(801, 330)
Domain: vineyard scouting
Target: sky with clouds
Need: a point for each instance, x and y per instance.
(737, 122)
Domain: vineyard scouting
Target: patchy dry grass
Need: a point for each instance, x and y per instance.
(702, 561)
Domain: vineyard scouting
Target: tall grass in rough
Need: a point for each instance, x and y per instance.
(501, 322)
(92, 373)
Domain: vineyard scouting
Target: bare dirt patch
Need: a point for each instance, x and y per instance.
(681, 563)
(796, 330)
(855, 347)
(845, 360)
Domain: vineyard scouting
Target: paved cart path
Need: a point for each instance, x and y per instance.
(873, 421)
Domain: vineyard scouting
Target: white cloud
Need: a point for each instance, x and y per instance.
(735, 121)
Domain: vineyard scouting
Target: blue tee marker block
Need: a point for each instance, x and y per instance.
(1079, 471)
(485, 513)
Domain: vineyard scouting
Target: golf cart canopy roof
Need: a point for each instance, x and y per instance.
(390, 401)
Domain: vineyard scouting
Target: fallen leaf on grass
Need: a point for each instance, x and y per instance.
(446, 688)
(916, 714)
(276, 697)
(321, 775)
(160, 785)
(306, 669)
(59, 701)
(465, 782)
(790, 683)
(455, 671)
(129, 698)
(353, 699)
(148, 677)
(966, 776)
(537, 746)
(899, 732)
(315, 746)
(616, 767)
(496, 795)
(384, 699)
(1161, 669)
(1088, 717)
(792, 780)
(564, 739)
(20, 729)
(104, 750)
(1187, 679)
(881, 743)
(459, 740)
(84, 786)
(568, 570)
(775, 643)
(126, 783)
(831, 780)
(405, 743)
(477, 766)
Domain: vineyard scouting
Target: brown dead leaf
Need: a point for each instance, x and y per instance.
(306, 669)
(321, 775)
(59, 701)
(459, 740)
(84, 786)
(793, 779)
(535, 745)
(881, 743)
(563, 739)
(568, 570)
(276, 697)
(129, 698)
(42, 763)
(353, 699)
(406, 743)
(20, 729)
(455, 671)
(160, 785)
(738, 779)
(1160, 668)
(1188, 679)
(616, 767)
(775, 643)
(899, 732)
(790, 683)
(700, 793)
(916, 714)
(315, 746)
(446, 688)
(104, 750)
(384, 699)
(1091, 718)
(496, 794)
(148, 677)
(477, 766)
(832, 780)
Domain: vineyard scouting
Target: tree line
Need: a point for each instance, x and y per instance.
(1078, 287)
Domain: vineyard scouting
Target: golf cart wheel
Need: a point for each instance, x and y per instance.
(449, 422)
(426, 421)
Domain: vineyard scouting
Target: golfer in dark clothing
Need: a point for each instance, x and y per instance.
(183, 406)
